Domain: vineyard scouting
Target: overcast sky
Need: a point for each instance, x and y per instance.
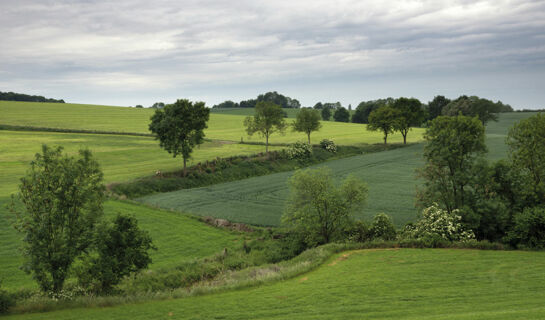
(138, 52)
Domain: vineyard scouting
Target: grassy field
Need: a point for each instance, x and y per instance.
(220, 126)
(390, 176)
(369, 284)
(176, 236)
(292, 113)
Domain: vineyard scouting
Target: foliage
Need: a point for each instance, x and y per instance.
(341, 115)
(179, 127)
(383, 119)
(358, 231)
(326, 114)
(328, 145)
(226, 104)
(436, 106)
(299, 150)
(267, 120)
(273, 97)
(526, 141)
(453, 146)
(528, 229)
(12, 96)
(436, 222)
(364, 109)
(307, 121)
(6, 300)
(473, 106)
(62, 198)
(317, 208)
(121, 249)
(158, 105)
(383, 227)
(411, 114)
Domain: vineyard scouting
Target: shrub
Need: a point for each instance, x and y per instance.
(328, 145)
(383, 227)
(6, 301)
(358, 232)
(436, 222)
(299, 150)
(529, 229)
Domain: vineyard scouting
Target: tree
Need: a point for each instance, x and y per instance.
(158, 105)
(453, 144)
(529, 229)
(361, 115)
(411, 114)
(226, 104)
(267, 120)
(179, 127)
(484, 109)
(383, 227)
(317, 208)
(526, 141)
(121, 249)
(62, 201)
(307, 121)
(436, 106)
(318, 105)
(383, 119)
(341, 115)
(326, 114)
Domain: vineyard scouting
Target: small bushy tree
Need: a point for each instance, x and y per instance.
(411, 114)
(383, 119)
(299, 150)
(383, 227)
(326, 113)
(62, 201)
(529, 229)
(268, 119)
(6, 301)
(307, 121)
(317, 208)
(341, 115)
(436, 222)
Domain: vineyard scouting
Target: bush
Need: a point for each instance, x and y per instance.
(439, 223)
(328, 145)
(6, 301)
(299, 150)
(358, 231)
(383, 227)
(529, 229)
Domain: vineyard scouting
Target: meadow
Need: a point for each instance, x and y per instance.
(220, 127)
(390, 175)
(371, 284)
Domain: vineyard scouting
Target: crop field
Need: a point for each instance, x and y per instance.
(390, 176)
(177, 238)
(220, 127)
(369, 284)
(292, 113)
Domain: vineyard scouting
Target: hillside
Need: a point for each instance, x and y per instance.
(369, 284)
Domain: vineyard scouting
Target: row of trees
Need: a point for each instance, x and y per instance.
(13, 96)
(273, 97)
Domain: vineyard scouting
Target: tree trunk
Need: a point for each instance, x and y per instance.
(267, 144)
(308, 137)
(385, 138)
(405, 138)
(185, 167)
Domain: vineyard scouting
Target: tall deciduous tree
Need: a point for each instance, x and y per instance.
(473, 106)
(436, 106)
(62, 201)
(307, 121)
(326, 114)
(317, 208)
(268, 119)
(411, 114)
(341, 115)
(179, 127)
(453, 146)
(383, 119)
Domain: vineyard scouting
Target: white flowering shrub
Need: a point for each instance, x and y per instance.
(299, 150)
(436, 222)
(328, 145)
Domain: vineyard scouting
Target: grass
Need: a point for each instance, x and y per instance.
(390, 176)
(220, 126)
(376, 284)
(292, 113)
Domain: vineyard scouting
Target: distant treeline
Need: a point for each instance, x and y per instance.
(275, 97)
(12, 96)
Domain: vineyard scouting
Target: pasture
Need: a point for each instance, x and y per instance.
(369, 284)
(390, 176)
(220, 127)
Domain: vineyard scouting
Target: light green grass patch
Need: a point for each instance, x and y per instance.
(369, 284)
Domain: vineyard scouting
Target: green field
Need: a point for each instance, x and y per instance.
(220, 126)
(390, 176)
(369, 284)
(292, 113)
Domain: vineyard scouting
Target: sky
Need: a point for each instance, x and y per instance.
(139, 51)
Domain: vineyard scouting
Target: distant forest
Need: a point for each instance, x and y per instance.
(12, 96)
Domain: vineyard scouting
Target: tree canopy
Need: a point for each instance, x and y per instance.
(307, 121)
(411, 114)
(12, 96)
(484, 109)
(268, 119)
(179, 127)
(341, 115)
(436, 106)
(383, 119)
(326, 114)
(361, 114)
(272, 96)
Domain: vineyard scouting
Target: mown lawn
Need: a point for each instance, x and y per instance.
(176, 236)
(369, 284)
(390, 175)
(220, 127)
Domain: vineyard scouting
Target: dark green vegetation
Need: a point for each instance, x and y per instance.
(390, 176)
(12, 96)
(268, 119)
(379, 284)
(272, 97)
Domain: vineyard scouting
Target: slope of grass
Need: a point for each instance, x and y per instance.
(176, 236)
(390, 176)
(220, 126)
(369, 284)
(292, 113)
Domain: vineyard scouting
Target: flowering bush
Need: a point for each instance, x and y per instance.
(299, 150)
(436, 222)
(328, 145)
